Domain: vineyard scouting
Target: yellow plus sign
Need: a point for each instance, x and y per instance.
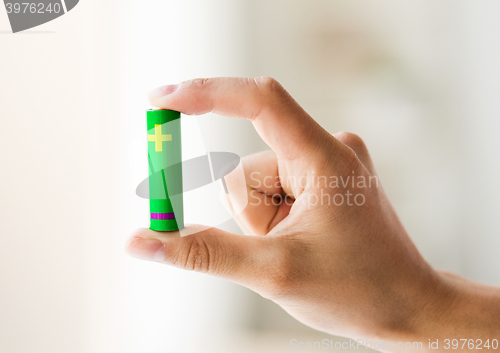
(158, 138)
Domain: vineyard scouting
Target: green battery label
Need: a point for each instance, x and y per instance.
(165, 170)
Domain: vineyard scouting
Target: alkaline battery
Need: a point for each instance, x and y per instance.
(164, 151)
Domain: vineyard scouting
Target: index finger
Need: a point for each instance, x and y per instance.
(277, 117)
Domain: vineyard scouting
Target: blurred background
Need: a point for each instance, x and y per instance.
(418, 81)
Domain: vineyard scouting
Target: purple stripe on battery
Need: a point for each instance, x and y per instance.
(162, 216)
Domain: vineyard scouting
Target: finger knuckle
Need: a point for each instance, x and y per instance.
(356, 150)
(196, 255)
(270, 86)
(351, 140)
(199, 83)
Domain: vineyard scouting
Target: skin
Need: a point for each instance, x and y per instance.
(344, 269)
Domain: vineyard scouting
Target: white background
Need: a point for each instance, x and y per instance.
(419, 81)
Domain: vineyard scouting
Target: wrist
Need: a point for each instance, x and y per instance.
(474, 310)
(449, 308)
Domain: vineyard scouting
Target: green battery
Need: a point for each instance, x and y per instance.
(165, 170)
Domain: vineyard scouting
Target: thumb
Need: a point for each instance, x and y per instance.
(242, 259)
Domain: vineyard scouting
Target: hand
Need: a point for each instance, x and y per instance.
(331, 252)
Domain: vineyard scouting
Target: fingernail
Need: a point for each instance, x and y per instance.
(149, 249)
(162, 91)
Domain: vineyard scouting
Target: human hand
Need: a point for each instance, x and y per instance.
(340, 264)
